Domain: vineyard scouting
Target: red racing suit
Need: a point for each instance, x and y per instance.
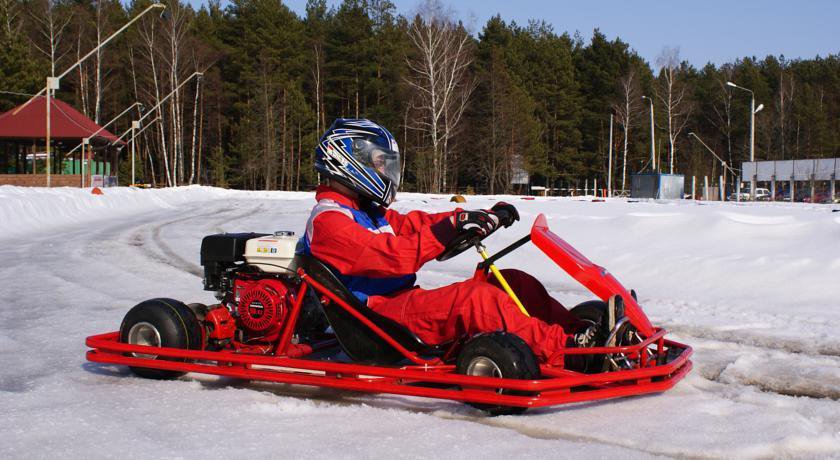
(377, 251)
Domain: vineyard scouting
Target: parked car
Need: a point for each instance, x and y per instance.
(819, 197)
(761, 194)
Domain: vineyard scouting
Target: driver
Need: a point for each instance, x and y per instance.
(375, 251)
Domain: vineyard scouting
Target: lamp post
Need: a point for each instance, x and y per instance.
(609, 168)
(53, 82)
(101, 128)
(722, 162)
(135, 126)
(753, 111)
(152, 110)
(652, 147)
(84, 145)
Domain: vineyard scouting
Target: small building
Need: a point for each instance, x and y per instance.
(811, 180)
(657, 185)
(23, 149)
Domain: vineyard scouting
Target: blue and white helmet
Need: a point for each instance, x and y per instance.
(361, 155)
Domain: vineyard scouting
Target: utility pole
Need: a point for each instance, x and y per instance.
(134, 126)
(753, 111)
(609, 168)
(652, 143)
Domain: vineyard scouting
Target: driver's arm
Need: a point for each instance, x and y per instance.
(405, 224)
(353, 250)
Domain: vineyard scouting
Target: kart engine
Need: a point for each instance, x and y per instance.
(251, 276)
(261, 305)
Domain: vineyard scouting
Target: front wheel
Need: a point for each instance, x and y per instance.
(160, 323)
(595, 312)
(590, 312)
(500, 355)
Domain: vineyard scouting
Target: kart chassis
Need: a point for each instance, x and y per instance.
(654, 364)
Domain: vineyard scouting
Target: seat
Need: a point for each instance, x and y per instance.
(357, 340)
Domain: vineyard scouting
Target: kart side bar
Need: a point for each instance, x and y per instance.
(564, 387)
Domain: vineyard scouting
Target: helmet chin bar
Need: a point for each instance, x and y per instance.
(339, 185)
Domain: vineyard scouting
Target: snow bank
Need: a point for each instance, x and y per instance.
(24, 210)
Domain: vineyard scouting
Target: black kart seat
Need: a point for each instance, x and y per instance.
(358, 341)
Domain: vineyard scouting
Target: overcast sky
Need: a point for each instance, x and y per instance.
(704, 30)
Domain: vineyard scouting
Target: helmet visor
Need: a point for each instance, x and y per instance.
(383, 161)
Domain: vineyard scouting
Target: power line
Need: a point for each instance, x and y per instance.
(16, 93)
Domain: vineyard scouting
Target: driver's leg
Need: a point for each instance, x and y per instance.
(467, 308)
(536, 299)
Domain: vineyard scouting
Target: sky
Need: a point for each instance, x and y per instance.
(716, 31)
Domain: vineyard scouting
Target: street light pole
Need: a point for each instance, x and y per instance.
(135, 125)
(105, 126)
(753, 111)
(53, 82)
(609, 168)
(652, 142)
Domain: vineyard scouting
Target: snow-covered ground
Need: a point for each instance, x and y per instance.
(755, 288)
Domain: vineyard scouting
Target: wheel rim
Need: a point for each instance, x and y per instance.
(146, 334)
(482, 366)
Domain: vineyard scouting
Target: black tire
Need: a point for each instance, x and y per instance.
(590, 312)
(161, 322)
(512, 358)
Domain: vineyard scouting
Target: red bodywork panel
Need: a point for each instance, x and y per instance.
(594, 277)
(286, 362)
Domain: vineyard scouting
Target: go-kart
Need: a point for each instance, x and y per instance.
(286, 318)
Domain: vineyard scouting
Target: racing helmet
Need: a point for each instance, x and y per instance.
(361, 155)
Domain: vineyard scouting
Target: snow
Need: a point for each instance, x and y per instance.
(753, 287)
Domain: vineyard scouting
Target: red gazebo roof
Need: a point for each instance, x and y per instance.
(65, 123)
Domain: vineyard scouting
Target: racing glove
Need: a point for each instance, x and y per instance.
(506, 213)
(481, 222)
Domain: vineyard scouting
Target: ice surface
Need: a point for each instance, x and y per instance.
(754, 287)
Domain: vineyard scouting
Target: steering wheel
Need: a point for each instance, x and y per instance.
(460, 243)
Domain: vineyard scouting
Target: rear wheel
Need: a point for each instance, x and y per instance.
(499, 355)
(160, 323)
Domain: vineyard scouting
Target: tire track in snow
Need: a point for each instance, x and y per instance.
(555, 434)
(169, 256)
(770, 370)
(766, 342)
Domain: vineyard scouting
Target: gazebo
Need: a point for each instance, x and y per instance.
(22, 146)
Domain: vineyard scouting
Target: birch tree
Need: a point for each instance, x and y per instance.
(50, 30)
(9, 10)
(784, 107)
(100, 24)
(625, 111)
(723, 109)
(175, 31)
(671, 93)
(441, 82)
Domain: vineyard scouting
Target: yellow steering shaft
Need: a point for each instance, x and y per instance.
(483, 251)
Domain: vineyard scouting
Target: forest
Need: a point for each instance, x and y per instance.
(473, 110)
